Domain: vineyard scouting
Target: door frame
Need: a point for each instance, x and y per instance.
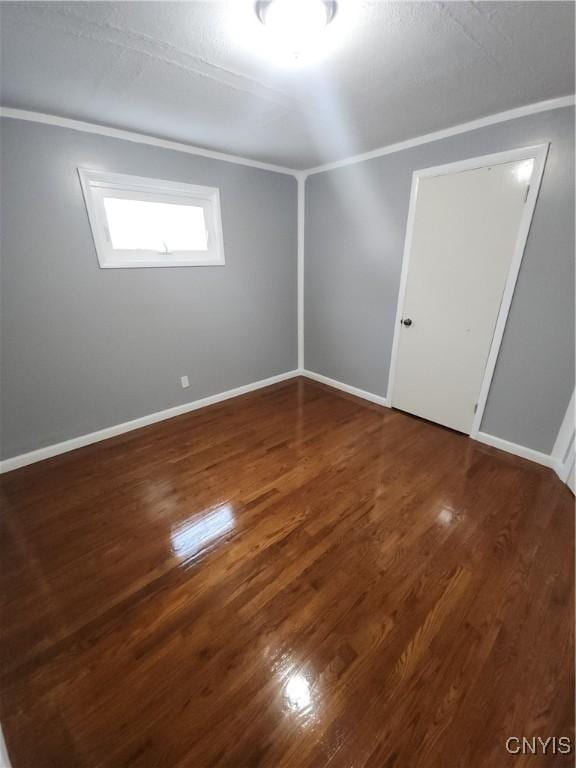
(565, 445)
(537, 152)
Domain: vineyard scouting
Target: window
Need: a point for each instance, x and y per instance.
(139, 222)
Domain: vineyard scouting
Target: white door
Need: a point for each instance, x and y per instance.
(464, 232)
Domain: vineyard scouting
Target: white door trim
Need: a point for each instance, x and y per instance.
(538, 152)
(563, 450)
(565, 433)
(563, 468)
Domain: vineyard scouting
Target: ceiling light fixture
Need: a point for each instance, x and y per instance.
(296, 26)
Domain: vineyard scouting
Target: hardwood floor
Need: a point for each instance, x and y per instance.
(291, 578)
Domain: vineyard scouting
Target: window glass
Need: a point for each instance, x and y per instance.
(151, 226)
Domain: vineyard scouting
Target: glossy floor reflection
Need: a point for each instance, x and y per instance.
(291, 578)
(202, 530)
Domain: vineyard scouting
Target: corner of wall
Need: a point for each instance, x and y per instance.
(301, 179)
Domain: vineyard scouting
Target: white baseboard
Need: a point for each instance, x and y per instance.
(496, 442)
(119, 429)
(378, 399)
(518, 450)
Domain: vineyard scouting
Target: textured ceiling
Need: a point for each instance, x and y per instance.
(195, 72)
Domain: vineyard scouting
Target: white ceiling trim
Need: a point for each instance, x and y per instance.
(139, 138)
(499, 117)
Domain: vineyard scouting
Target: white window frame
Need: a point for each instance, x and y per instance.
(95, 185)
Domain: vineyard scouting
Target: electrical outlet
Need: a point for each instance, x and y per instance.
(184, 381)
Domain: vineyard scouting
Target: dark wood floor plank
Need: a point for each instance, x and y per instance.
(291, 578)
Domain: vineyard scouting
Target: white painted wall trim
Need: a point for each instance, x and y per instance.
(119, 429)
(565, 433)
(378, 399)
(473, 125)
(496, 442)
(570, 473)
(518, 450)
(564, 446)
(538, 153)
(562, 467)
(301, 222)
(96, 185)
(4, 759)
(139, 138)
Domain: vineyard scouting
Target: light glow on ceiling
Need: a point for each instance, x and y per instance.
(296, 26)
(290, 33)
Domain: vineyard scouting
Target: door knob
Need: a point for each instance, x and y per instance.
(407, 322)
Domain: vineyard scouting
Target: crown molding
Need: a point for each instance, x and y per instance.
(141, 138)
(473, 125)
(138, 138)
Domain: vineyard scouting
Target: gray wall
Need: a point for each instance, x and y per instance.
(354, 230)
(85, 348)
